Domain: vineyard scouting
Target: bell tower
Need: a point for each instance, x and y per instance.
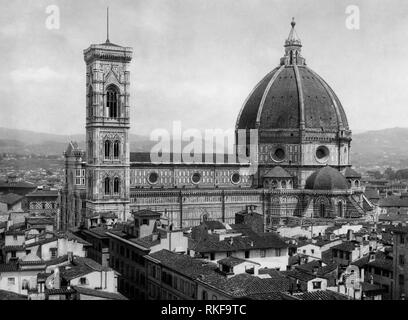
(107, 129)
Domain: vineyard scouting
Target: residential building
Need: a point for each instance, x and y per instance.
(348, 251)
(11, 202)
(240, 241)
(400, 269)
(99, 248)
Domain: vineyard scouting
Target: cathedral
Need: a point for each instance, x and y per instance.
(303, 153)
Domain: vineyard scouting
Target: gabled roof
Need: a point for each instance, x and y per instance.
(234, 261)
(71, 236)
(56, 261)
(213, 224)
(244, 284)
(11, 198)
(40, 221)
(322, 268)
(17, 184)
(63, 290)
(146, 213)
(183, 264)
(148, 241)
(76, 271)
(321, 295)
(9, 295)
(83, 261)
(346, 246)
(272, 296)
(299, 275)
(99, 293)
(42, 241)
(277, 172)
(252, 241)
(43, 193)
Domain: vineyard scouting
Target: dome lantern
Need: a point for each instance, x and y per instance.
(293, 47)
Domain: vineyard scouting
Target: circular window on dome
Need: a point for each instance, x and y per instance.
(153, 177)
(235, 178)
(196, 177)
(278, 154)
(322, 154)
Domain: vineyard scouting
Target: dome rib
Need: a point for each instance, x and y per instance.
(244, 105)
(301, 99)
(330, 93)
(266, 92)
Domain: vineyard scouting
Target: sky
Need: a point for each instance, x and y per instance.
(196, 61)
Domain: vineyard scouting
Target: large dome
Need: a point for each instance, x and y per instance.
(326, 178)
(292, 96)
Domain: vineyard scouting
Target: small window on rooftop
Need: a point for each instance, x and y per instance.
(317, 285)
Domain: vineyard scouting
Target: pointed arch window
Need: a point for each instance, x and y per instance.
(107, 186)
(116, 184)
(107, 149)
(340, 208)
(322, 210)
(112, 101)
(116, 146)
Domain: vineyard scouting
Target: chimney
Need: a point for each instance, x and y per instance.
(70, 256)
(57, 279)
(315, 270)
(231, 241)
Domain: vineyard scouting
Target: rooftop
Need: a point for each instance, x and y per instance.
(183, 264)
(8, 295)
(234, 261)
(249, 241)
(346, 246)
(11, 198)
(99, 293)
(321, 295)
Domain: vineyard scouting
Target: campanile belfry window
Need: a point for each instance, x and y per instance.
(116, 149)
(107, 149)
(107, 186)
(116, 186)
(112, 101)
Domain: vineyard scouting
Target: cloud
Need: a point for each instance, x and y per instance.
(41, 74)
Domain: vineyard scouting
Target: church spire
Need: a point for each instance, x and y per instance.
(292, 47)
(107, 25)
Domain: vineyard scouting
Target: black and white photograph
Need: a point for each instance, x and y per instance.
(233, 150)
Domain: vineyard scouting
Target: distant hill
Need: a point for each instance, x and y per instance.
(27, 142)
(379, 148)
(383, 148)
